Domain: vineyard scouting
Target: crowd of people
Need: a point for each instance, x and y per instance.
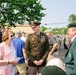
(36, 54)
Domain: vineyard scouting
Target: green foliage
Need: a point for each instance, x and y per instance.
(62, 31)
(43, 28)
(72, 18)
(19, 11)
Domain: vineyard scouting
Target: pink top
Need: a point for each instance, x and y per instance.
(8, 53)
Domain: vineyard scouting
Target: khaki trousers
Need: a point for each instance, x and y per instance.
(21, 68)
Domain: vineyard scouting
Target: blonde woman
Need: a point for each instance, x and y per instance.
(7, 54)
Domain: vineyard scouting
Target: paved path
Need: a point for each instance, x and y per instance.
(61, 53)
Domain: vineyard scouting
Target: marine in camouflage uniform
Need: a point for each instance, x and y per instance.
(37, 48)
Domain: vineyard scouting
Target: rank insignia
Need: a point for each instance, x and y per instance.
(32, 38)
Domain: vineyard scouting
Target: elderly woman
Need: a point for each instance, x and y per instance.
(7, 54)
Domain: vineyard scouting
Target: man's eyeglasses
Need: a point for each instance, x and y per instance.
(33, 27)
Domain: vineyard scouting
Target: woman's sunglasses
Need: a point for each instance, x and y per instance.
(11, 35)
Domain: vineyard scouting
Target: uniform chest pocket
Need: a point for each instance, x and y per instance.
(33, 42)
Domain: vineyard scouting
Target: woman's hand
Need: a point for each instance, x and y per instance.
(12, 62)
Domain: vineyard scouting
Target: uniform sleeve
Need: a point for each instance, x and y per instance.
(27, 46)
(27, 49)
(74, 55)
(47, 49)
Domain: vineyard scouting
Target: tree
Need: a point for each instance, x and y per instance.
(62, 31)
(43, 28)
(72, 18)
(19, 11)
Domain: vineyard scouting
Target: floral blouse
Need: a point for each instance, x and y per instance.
(8, 53)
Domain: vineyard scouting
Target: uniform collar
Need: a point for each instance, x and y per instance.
(38, 34)
(73, 38)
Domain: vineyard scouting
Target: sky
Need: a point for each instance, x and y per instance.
(57, 11)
